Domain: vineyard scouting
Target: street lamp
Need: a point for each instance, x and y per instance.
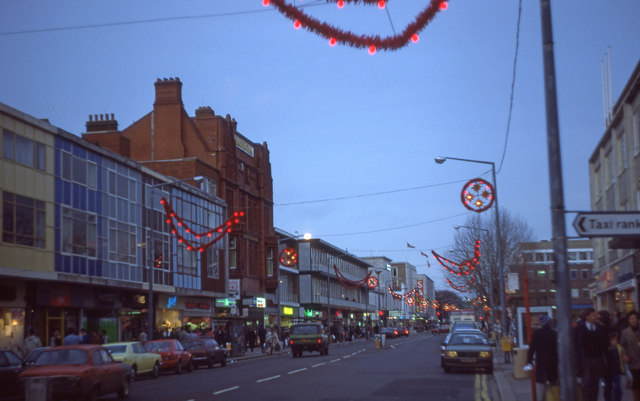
(150, 305)
(491, 315)
(442, 159)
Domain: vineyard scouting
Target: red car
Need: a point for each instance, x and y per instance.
(174, 356)
(83, 372)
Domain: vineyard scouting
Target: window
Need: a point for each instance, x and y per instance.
(270, 262)
(636, 131)
(78, 232)
(23, 150)
(528, 257)
(586, 293)
(213, 267)
(542, 274)
(23, 220)
(622, 151)
(232, 253)
(571, 256)
(575, 293)
(585, 274)
(574, 274)
(122, 242)
(539, 257)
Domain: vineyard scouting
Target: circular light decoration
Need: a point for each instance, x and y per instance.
(288, 257)
(372, 282)
(410, 301)
(477, 195)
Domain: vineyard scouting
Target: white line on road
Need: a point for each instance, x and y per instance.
(318, 364)
(268, 378)
(355, 353)
(296, 371)
(226, 389)
(335, 360)
(346, 356)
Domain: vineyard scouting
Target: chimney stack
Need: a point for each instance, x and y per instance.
(101, 123)
(168, 91)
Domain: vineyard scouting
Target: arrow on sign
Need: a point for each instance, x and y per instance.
(607, 224)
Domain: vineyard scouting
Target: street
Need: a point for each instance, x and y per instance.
(407, 369)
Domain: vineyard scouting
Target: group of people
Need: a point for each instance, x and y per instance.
(268, 338)
(32, 341)
(605, 351)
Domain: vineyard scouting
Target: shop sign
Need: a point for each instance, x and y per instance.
(60, 296)
(223, 302)
(606, 279)
(287, 310)
(310, 313)
(395, 313)
(234, 288)
(339, 314)
(261, 302)
(197, 305)
(171, 302)
(243, 145)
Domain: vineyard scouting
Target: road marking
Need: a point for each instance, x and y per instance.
(226, 389)
(346, 356)
(296, 371)
(268, 378)
(476, 392)
(335, 360)
(485, 396)
(481, 388)
(355, 353)
(318, 364)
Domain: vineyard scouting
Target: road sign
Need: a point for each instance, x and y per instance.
(607, 224)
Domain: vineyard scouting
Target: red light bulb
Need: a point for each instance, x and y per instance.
(381, 4)
(332, 42)
(415, 38)
(179, 224)
(297, 24)
(162, 201)
(340, 3)
(237, 220)
(172, 214)
(173, 231)
(180, 240)
(372, 50)
(188, 231)
(265, 3)
(189, 248)
(168, 221)
(209, 235)
(199, 249)
(228, 230)
(197, 237)
(444, 5)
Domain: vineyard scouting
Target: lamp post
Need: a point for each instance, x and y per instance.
(150, 305)
(441, 160)
(491, 315)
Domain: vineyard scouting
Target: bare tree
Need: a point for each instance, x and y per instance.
(485, 276)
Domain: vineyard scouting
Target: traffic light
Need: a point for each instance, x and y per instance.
(381, 313)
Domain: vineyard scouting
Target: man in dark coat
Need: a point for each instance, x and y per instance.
(591, 354)
(544, 348)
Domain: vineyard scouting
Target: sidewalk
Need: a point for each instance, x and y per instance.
(512, 389)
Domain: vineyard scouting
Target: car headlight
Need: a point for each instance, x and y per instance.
(451, 354)
(485, 354)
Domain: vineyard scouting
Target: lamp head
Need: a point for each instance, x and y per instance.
(456, 227)
(198, 178)
(440, 159)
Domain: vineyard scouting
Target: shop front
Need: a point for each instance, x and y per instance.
(197, 314)
(133, 317)
(12, 315)
(289, 315)
(168, 315)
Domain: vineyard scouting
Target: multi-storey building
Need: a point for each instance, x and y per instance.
(614, 177)
(541, 274)
(380, 298)
(426, 284)
(83, 227)
(403, 280)
(238, 170)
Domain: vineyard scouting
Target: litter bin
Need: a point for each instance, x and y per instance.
(519, 361)
(380, 340)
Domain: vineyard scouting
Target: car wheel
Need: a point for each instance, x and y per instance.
(179, 367)
(224, 361)
(123, 393)
(156, 370)
(133, 373)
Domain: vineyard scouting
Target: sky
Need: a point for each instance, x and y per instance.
(352, 136)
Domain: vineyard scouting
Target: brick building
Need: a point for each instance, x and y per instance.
(236, 169)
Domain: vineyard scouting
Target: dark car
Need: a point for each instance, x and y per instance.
(463, 325)
(444, 328)
(79, 372)
(205, 351)
(434, 328)
(467, 350)
(308, 337)
(10, 367)
(389, 332)
(403, 331)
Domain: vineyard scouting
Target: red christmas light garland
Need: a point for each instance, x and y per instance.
(465, 267)
(350, 283)
(220, 231)
(372, 42)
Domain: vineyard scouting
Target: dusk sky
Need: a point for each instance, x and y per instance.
(361, 130)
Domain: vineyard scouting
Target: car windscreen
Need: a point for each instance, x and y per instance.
(467, 339)
(309, 329)
(190, 345)
(117, 349)
(63, 357)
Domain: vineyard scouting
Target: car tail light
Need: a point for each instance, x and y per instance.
(319, 341)
(291, 342)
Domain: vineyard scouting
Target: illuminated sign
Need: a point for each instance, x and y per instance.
(287, 310)
(171, 302)
(224, 302)
(261, 302)
(309, 313)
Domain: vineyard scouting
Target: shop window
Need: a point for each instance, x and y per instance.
(539, 257)
(22, 220)
(586, 293)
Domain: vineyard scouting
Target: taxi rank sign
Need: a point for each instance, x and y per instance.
(607, 224)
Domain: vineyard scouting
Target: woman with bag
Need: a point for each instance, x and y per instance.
(630, 341)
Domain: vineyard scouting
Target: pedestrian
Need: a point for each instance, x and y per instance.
(72, 338)
(591, 354)
(55, 339)
(85, 337)
(613, 377)
(262, 335)
(268, 343)
(104, 338)
(95, 337)
(31, 342)
(630, 341)
(251, 336)
(275, 341)
(143, 337)
(544, 349)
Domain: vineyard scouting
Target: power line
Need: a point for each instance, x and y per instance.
(513, 84)
(151, 20)
(369, 194)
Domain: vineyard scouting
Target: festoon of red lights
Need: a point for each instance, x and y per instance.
(371, 42)
(353, 283)
(213, 235)
(464, 268)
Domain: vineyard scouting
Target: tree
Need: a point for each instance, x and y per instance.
(447, 297)
(486, 276)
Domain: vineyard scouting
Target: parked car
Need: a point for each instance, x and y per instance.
(174, 356)
(205, 351)
(467, 350)
(308, 337)
(33, 355)
(389, 332)
(463, 325)
(444, 328)
(11, 365)
(434, 328)
(80, 372)
(133, 353)
(403, 331)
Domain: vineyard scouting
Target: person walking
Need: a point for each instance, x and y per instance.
(31, 342)
(613, 377)
(104, 338)
(268, 342)
(262, 335)
(275, 340)
(630, 342)
(591, 354)
(72, 338)
(251, 336)
(544, 349)
(56, 338)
